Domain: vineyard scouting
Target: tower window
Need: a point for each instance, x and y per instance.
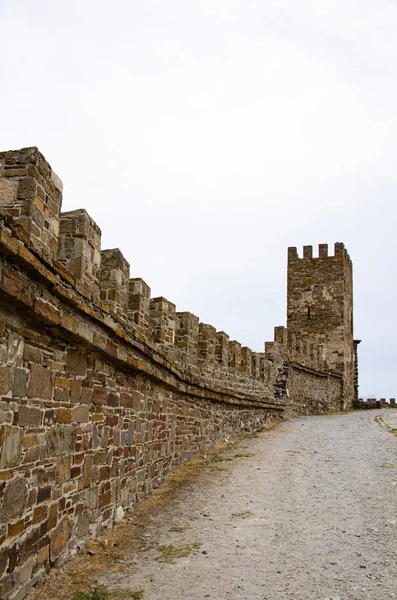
(308, 313)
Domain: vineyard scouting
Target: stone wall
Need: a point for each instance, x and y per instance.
(320, 308)
(103, 389)
(374, 403)
(313, 391)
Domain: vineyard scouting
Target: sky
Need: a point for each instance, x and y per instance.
(205, 137)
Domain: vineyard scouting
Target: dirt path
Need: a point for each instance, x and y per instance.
(310, 515)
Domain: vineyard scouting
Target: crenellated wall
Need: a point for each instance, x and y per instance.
(374, 403)
(105, 389)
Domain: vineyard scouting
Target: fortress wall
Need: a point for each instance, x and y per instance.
(103, 389)
(313, 392)
(375, 403)
(300, 376)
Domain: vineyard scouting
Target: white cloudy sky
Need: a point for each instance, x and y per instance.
(206, 136)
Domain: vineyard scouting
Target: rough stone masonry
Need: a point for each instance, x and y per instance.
(104, 390)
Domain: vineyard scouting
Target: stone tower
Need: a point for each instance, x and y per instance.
(320, 309)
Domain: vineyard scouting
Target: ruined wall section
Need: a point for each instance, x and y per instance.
(300, 375)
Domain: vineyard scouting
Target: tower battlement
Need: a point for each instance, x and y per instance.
(340, 252)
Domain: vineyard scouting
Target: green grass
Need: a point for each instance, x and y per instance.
(95, 595)
(170, 553)
(243, 455)
(109, 595)
(218, 459)
(385, 425)
(242, 515)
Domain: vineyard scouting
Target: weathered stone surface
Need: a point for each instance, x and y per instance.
(59, 539)
(64, 465)
(5, 381)
(41, 383)
(20, 383)
(76, 362)
(14, 501)
(82, 524)
(28, 416)
(81, 414)
(61, 439)
(11, 447)
(8, 192)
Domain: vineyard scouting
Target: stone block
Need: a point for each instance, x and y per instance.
(3, 560)
(15, 529)
(6, 414)
(5, 381)
(11, 438)
(25, 571)
(100, 395)
(76, 362)
(82, 525)
(41, 383)
(81, 414)
(59, 539)
(61, 439)
(40, 514)
(28, 416)
(20, 383)
(86, 479)
(63, 415)
(14, 500)
(43, 494)
(32, 354)
(53, 516)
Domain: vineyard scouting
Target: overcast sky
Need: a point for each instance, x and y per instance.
(205, 137)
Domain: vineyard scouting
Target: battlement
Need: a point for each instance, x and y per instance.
(375, 403)
(31, 200)
(340, 252)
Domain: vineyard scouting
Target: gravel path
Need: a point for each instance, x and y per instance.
(311, 515)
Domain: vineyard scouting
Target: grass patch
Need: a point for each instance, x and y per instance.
(170, 553)
(178, 529)
(385, 466)
(242, 515)
(243, 455)
(219, 459)
(382, 423)
(95, 595)
(118, 594)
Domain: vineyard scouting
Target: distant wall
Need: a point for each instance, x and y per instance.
(375, 403)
